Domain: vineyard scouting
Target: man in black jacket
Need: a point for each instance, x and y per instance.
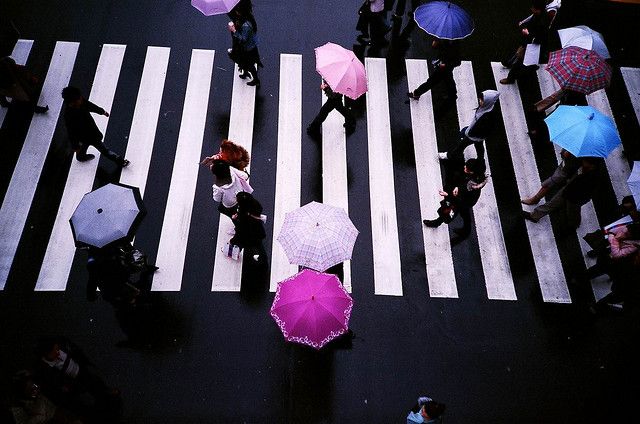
(578, 191)
(448, 59)
(82, 129)
(334, 101)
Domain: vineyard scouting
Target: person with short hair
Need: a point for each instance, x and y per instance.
(82, 129)
(426, 410)
(461, 198)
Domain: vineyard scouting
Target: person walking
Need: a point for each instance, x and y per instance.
(373, 23)
(334, 101)
(426, 410)
(228, 182)
(19, 84)
(244, 50)
(460, 199)
(82, 129)
(534, 30)
(578, 191)
(232, 153)
(448, 59)
(566, 169)
(249, 225)
(478, 130)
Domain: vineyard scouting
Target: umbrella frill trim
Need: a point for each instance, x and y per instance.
(305, 340)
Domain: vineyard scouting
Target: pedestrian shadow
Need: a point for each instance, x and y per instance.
(311, 383)
(151, 324)
(255, 278)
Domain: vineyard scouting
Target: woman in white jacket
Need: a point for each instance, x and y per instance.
(228, 182)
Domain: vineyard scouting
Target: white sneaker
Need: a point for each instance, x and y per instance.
(442, 155)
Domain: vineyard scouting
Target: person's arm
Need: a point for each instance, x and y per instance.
(96, 109)
(619, 249)
(242, 34)
(217, 193)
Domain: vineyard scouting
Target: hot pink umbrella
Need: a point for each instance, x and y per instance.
(342, 70)
(214, 7)
(312, 308)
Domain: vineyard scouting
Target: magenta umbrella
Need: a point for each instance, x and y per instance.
(312, 308)
(342, 70)
(214, 7)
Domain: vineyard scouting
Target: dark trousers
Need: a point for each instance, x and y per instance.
(465, 214)
(439, 74)
(81, 152)
(378, 27)
(327, 107)
(458, 151)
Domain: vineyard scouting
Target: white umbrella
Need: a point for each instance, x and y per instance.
(634, 182)
(585, 37)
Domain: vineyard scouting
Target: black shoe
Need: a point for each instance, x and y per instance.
(527, 215)
(254, 82)
(85, 158)
(412, 96)
(431, 223)
(313, 130)
(124, 163)
(41, 109)
(243, 75)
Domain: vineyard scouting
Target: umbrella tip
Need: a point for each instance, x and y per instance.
(313, 297)
(99, 210)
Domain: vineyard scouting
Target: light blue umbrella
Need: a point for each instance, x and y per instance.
(583, 131)
(444, 19)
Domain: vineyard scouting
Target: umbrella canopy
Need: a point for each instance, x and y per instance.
(312, 308)
(583, 131)
(342, 70)
(444, 19)
(634, 183)
(214, 7)
(579, 70)
(317, 236)
(584, 37)
(107, 214)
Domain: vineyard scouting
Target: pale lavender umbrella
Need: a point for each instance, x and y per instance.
(317, 236)
(214, 7)
(312, 308)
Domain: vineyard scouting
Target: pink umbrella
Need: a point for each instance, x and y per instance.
(342, 70)
(214, 7)
(312, 308)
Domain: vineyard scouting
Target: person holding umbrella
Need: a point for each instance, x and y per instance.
(334, 101)
(82, 129)
(448, 59)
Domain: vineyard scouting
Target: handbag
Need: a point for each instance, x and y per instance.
(596, 240)
(447, 211)
(231, 251)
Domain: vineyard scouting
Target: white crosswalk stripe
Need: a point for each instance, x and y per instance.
(177, 216)
(493, 250)
(227, 273)
(384, 225)
(551, 277)
(437, 247)
(20, 54)
(22, 188)
(58, 259)
(288, 172)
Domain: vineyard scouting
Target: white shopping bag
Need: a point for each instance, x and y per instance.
(531, 55)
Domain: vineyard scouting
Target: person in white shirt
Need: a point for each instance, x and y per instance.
(228, 182)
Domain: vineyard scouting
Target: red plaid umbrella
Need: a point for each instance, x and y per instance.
(579, 70)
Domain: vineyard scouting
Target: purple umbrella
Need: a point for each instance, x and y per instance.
(312, 308)
(214, 7)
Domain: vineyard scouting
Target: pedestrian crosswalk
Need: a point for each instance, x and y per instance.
(385, 196)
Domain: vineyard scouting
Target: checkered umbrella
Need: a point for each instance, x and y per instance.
(317, 236)
(578, 69)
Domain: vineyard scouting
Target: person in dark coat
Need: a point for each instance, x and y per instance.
(533, 30)
(82, 129)
(462, 196)
(109, 273)
(578, 191)
(249, 227)
(334, 101)
(448, 59)
(479, 129)
(244, 50)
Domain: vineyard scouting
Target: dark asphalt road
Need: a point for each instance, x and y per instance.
(220, 358)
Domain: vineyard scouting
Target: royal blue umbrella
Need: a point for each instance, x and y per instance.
(583, 131)
(444, 19)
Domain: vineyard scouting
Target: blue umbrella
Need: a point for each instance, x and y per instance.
(583, 131)
(444, 19)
